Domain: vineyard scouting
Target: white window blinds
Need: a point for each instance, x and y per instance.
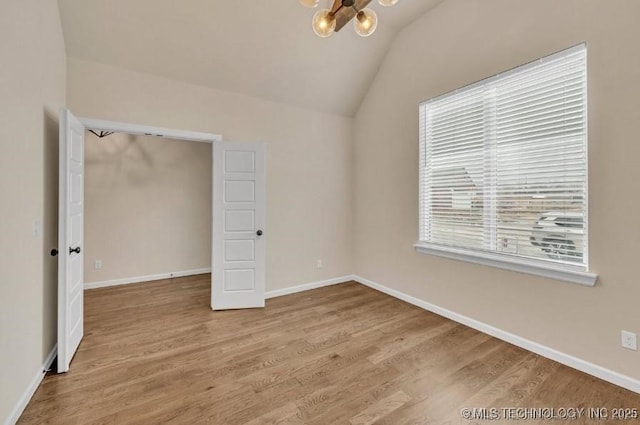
(503, 163)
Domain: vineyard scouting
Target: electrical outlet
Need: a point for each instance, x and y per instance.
(629, 340)
(97, 264)
(319, 264)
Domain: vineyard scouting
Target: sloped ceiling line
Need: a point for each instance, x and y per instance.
(264, 49)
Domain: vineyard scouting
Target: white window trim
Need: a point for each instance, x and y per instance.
(561, 272)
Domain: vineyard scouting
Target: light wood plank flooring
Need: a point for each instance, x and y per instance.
(154, 353)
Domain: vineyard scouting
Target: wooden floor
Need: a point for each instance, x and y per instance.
(154, 353)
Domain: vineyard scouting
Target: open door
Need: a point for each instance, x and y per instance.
(238, 263)
(70, 239)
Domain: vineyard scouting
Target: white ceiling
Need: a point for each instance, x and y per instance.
(262, 48)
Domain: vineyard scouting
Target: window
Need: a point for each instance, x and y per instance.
(503, 170)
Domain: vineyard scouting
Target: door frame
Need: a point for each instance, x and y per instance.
(167, 133)
(145, 130)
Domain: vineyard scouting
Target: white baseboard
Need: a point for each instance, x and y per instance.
(138, 279)
(307, 287)
(31, 390)
(542, 350)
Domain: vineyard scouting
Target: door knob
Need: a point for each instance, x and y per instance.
(76, 250)
(54, 252)
(259, 233)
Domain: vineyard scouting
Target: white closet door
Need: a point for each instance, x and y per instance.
(70, 239)
(238, 275)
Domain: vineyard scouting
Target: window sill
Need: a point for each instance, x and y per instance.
(574, 274)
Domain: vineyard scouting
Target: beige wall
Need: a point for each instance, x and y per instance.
(463, 41)
(147, 206)
(32, 90)
(308, 158)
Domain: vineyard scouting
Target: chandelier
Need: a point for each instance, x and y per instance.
(327, 21)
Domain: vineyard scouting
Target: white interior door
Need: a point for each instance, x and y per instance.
(238, 263)
(70, 239)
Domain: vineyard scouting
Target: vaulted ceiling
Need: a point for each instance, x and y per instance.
(262, 48)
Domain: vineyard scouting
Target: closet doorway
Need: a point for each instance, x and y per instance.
(238, 241)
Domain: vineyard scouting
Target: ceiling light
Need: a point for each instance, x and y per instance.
(309, 3)
(328, 21)
(324, 23)
(366, 22)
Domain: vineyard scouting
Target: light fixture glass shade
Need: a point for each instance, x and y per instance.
(324, 24)
(366, 22)
(310, 3)
(386, 3)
